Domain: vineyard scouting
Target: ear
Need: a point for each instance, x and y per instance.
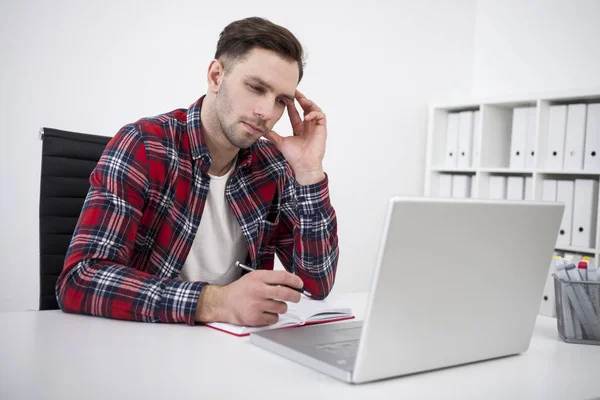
(215, 75)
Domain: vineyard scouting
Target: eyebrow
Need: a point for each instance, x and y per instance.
(269, 87)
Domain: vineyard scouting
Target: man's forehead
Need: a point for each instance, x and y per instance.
(271, 68)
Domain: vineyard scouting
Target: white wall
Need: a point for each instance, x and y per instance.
(535, 46)
(95, 66)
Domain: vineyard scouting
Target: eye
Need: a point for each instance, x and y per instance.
(256, 89)
(282, 102)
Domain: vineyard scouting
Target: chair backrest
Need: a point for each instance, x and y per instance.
(68, 159)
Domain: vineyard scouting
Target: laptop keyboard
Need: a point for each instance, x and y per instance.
(343, 352)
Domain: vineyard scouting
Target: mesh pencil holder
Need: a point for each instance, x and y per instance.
(578, 311)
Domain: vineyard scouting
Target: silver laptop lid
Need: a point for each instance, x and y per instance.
(456, 281)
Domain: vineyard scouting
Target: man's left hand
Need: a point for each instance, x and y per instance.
(304, 151)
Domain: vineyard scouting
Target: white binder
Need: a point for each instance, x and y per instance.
(556, 138)
(549, 190)
(450, 158)
(591, 160)
(575, 137)
(548, 303)
(585, 208)
(518, 138)
(461, 186)
(530, 156)
(465, 139)
(565, 194)
(514, 188)
(497, 189)
(476, 137)
(529, 188)
(445, 188)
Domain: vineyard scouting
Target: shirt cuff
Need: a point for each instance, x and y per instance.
(179, 302)
(313, 199)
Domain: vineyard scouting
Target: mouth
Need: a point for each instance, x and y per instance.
(253, 129)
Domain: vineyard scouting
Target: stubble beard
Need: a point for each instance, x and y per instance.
(241, 140)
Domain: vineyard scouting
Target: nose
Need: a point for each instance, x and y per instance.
(265, 108)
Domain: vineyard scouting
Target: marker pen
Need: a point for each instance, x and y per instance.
(594, 289)
(592, 273)
(582, 266)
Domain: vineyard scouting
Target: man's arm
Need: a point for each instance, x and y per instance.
(96, 279)
(306, 237)
(307, 242)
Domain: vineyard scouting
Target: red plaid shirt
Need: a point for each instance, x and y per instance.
(143, 209)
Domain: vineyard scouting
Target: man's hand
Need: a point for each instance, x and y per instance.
(256, 299)
(305, 150)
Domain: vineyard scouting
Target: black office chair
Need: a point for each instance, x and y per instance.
(68, 159)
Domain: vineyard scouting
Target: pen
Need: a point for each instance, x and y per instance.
(250, 269)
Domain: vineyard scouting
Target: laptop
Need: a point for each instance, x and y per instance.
(456, 281)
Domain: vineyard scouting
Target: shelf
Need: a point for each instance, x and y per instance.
(576, 249)
(454, 170)
(507, 171)
(593, 174)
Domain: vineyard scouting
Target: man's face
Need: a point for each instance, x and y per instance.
(253, 96)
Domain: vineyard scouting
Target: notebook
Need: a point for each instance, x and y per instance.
(306, 312)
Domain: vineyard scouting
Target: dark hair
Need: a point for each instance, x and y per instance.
(239, 37)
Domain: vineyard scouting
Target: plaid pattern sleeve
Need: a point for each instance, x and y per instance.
(97, 278)
(307, 240)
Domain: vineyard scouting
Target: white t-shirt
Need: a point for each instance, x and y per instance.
(219, 242)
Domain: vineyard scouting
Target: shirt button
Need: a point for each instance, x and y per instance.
(301, 198)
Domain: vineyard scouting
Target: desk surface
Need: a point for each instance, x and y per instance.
(50, 354)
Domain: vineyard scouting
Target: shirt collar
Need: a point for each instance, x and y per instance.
(198, 145)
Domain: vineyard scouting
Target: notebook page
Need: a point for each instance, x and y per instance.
(284, 320)
(314, 310)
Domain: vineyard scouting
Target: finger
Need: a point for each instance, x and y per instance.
(294, 115)
(317, 116)
(274, 137)
(280, 278)
(269, 318)
(306, 104)
(274, 307)
(299, 95)
(282, 293)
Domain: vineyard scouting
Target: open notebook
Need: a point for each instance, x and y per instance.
(306, 312)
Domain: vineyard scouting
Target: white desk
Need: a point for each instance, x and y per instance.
(53, 355)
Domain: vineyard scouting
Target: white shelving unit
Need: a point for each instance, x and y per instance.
(492, 147)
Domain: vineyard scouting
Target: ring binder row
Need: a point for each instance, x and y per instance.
(570, 141)
(523, 138)
(457, 186)
(462, 139)
(580, 196)
(574, 137)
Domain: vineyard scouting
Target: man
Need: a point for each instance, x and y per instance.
(177, 199)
